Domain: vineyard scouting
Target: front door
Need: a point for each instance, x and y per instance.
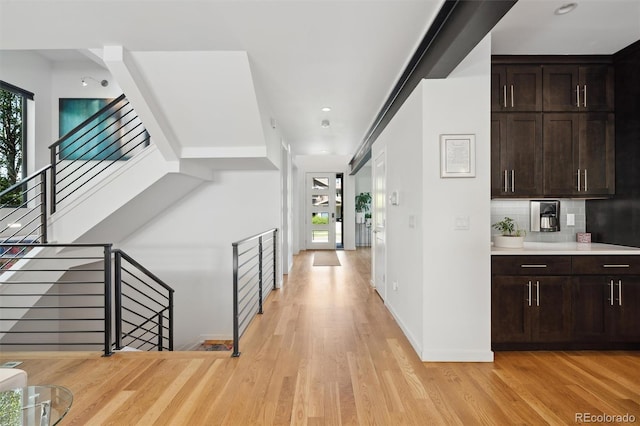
(321, 211)
(379, 222)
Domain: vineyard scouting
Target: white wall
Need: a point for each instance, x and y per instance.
(189, 247)
(363, 179)
(402, 142)
(457, 276)
(329, 164)
(443, 275)
(66, 82)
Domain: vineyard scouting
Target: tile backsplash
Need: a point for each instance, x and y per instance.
(518, 210)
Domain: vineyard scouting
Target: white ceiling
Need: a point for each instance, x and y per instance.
(594, 27)
(307, 54)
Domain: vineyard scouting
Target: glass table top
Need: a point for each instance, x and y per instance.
(34, 405)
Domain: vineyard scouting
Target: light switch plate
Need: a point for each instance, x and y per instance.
(571, 219)
(461, 223)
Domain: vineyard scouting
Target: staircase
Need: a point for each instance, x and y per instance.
(105, 180)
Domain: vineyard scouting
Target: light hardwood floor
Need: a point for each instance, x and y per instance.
(327, 352)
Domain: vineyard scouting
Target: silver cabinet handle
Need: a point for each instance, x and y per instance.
(611, 296)
(578, 180)
(529, 289)
(533, 266)
(512, 96)
(504, 95)
(537, 293)
(619, 292)
(513, 181)
(615, 266)
(578, 96)
(585, 180)
(506, 178)
(584, 96)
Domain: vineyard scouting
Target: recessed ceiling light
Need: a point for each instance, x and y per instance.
(326, 109)
(565, 8)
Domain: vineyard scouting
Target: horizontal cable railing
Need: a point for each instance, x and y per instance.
(113, 134)
(57, 296)
(23, 212)
(143, 307)
(254, 276)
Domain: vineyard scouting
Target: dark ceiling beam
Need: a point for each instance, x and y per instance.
(457, 28)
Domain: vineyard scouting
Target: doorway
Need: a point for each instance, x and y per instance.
(379, 257)
(324, 222)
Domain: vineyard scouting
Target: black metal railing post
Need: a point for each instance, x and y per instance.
(52, 187)
(260, 275)
(160, 331)
(118, 298)
(275, 246)
(236, 325)
(171, 321)
(43, 206)
(107, 300)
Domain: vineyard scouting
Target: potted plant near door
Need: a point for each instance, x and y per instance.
(512, 236)
(363, 204)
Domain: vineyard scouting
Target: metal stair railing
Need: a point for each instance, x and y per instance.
(143, 307)
(85, 296)
(23, 210)
(254, 276)
(112, 134)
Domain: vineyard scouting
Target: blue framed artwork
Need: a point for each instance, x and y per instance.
(98, 139)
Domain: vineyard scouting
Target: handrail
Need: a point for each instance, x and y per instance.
(256, 236)
(115, 287)
(141, 319)
(34, 205)
(245, 305)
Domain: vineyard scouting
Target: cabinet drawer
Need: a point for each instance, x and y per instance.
(606, 265)
(531, 265)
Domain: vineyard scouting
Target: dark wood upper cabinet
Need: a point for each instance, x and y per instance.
(572, 88)
(516, 155)
(578, 154)
(516, 88)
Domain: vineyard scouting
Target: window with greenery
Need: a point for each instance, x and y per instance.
(12, 141)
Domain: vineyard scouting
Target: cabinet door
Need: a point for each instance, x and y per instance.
(596, 85)
(510, 311)
(516, 160)
(626, 307)
(590, 309)
(498, 88)
(561, 88)
(551, 309)
(560, 147)
(516, 88)
(596, 154)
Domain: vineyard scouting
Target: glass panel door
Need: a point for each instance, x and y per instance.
(321, 208)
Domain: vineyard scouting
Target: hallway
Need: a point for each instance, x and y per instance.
(327, 352)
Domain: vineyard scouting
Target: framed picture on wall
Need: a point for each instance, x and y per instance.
(98, 141)
(457, 156)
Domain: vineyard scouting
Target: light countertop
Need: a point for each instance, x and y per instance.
(566, 249)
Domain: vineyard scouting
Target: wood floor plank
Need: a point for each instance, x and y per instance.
(327, 351)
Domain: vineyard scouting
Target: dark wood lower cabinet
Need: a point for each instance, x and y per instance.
(530, 309)
(566, 312)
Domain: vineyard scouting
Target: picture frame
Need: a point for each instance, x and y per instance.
(458, 156)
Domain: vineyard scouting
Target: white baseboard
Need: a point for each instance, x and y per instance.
(414, 342)
(457, 356)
